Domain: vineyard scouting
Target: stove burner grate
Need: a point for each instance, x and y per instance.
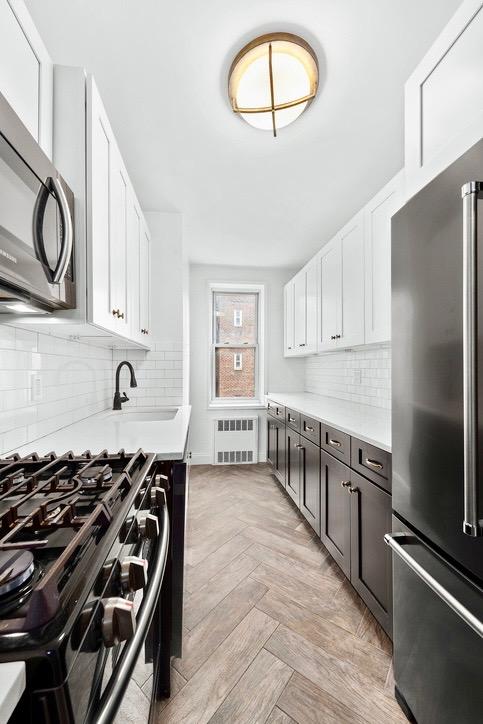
(16, 567)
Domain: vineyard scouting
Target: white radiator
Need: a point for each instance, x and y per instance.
(236, 441)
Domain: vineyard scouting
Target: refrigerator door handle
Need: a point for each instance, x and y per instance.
(470, 192)
(396, 541)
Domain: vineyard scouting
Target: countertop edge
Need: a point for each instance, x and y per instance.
(352, 431)
(12, 687)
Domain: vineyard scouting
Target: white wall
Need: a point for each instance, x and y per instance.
(362, 375)
(76, 381)
(280, 373)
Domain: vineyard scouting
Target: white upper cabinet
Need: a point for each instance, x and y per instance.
(341, 283)
(377, 246)
(300, 318)
(111, 236)
(300, 312)
(351, 324)
(312, 306)
(26, 72)
(444, 98)
(144, 281)
(330, 284)
(289, 318)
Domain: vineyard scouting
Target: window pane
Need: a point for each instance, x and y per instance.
(231, 382)
(235, 318)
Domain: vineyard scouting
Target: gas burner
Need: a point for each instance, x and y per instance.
(95, 474)
(16, 567)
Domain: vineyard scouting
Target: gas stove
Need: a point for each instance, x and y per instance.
(83, 548)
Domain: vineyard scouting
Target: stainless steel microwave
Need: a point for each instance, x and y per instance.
(36, 224)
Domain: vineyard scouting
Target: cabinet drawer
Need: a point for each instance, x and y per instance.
(273, 408)
(336, 442)
(292, 418)
(310, 429)
(372, 462)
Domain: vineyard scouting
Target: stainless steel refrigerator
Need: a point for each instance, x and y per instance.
(437, 430)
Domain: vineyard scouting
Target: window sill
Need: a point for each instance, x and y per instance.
(252, 405)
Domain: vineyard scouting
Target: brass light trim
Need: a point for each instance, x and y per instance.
(295, 46)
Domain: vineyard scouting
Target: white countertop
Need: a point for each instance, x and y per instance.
(12, 686)
(370, 424)
(108, 431)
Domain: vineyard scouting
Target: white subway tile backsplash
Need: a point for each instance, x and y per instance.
(76, 381)
(158, 372)
(335, 375)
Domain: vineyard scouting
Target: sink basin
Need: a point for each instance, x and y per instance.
(159, 415)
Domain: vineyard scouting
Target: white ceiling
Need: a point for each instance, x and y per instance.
(247, 198)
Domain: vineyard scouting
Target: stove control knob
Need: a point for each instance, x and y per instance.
(158, 497)
(134, 573)
(129, 531)
(118, 621)
(149, 526)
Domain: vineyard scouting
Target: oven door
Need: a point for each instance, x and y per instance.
(123, 676)
(36, 223)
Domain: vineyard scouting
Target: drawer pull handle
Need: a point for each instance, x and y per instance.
(345, 483)
(299, 446)
(374, 464)
(335, 443)
(291, 419)
(309, 429)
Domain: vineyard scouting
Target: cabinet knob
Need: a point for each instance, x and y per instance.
(115, 312)
(345, 483)
(302, 344)
(121, 315)
(118, 621)
(353, 490)
(337, 336)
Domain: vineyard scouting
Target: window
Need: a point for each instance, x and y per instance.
(236, 367)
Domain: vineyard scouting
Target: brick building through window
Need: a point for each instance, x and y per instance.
(235, 337)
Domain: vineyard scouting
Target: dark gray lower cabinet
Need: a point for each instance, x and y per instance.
(276, 447)
(371, 562)
(335, 517)
(292, 477)
(310, 483)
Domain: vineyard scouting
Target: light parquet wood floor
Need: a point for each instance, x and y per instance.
(274, 632)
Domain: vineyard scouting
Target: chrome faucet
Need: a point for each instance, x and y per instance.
(118, 400)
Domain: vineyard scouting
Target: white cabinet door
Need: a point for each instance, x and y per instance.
(289, 318)
(300, 312)
(118, 281)
(351, 319)
(100, 152)
(444, 98)
(26, 71)
(377, 252)
(311, 305)
(144, 281)
(134, 224)
(330, 286)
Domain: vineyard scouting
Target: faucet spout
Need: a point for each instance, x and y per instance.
(118, 400)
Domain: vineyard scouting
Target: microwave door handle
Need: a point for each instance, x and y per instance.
(68, 235)
(121, 674)
(37, 225)
(470, 193)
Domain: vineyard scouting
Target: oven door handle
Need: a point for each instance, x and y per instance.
(121, 673)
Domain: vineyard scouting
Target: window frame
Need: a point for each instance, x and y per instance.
(234, 402)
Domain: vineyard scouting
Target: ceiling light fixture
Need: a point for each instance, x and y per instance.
(272, 80)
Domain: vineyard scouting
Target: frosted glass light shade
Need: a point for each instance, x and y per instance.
(272, 80)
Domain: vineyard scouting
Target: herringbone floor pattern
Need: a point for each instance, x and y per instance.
(274, 632)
